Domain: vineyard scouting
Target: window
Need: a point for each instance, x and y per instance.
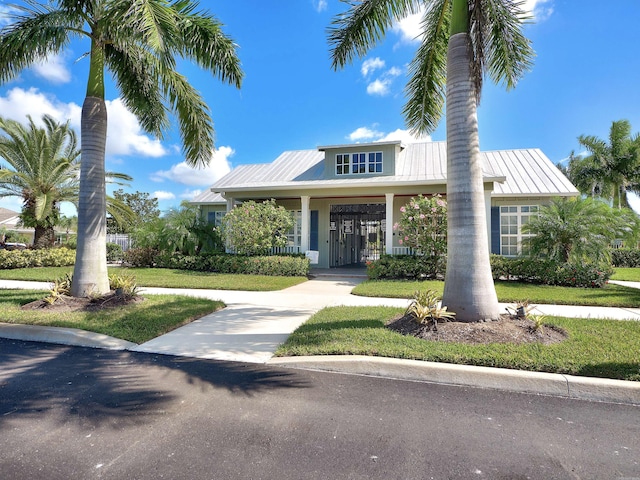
(215, 218)
(512, 218)
(358, 163)
(294, 236)
(342, 164)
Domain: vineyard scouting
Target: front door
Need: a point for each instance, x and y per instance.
(356, 234)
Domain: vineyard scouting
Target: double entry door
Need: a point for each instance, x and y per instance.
(356, 234)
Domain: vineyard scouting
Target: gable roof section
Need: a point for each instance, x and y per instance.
(515, 172)
(8, 217)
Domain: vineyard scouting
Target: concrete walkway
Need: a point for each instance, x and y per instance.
(254, 324)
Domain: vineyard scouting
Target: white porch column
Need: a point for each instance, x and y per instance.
(389, 223)
(227, 247)
(306, 222)
(487, 204)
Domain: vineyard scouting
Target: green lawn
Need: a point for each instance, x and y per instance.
(510, 292)
(169, 278)
(595, 348)
(138, 323)
(626, 274)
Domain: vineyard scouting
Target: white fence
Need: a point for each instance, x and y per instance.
(121, 239)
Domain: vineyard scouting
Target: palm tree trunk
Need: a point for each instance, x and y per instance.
(44, 237)
(469, 290)
(90, 272)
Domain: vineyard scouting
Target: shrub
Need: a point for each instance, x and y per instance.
(141, 257)
(625, 257)
(407, 267)
(423, 225)
(50, 257)
(114, 252)
(274, 265)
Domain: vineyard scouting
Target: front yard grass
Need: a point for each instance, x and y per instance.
(168, 278)
(510, 292)
(138, 322)
(595, 348)
(626, 274)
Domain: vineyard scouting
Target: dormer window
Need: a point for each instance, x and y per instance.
(357, 163)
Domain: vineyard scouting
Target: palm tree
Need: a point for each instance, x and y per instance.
(43, 168)
(614, 167)
(462, 40)
(139, 42)
(579, 230)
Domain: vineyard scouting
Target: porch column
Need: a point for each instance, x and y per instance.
(487, 205)
(227, 247)
(389, 224)
(306, 222)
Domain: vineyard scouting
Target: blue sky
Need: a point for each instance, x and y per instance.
(586, 75)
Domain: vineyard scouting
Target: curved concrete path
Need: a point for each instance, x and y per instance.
(254, 324)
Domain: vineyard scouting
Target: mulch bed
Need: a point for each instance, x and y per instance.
(86, 304)
(509, 329)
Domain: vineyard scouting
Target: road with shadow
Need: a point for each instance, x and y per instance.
(77, 413)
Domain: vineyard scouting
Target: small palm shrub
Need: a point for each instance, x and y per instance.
(124, 285)
(425, 308)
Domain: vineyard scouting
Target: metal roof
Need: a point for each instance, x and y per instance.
(525, 172)
(208, 198)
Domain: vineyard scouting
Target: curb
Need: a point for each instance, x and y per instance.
(63, 336)
(554, 384)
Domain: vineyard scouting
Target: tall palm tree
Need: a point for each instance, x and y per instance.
(613, 166)
(42, 166)
(139, 42)
(462, 40)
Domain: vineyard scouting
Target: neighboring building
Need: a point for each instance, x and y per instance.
(346, 198)
(9, 221)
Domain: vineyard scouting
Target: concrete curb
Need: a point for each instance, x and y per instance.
(583, 388)
(63, 336)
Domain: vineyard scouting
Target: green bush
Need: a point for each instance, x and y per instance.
(625, 257)
(141, 257)
(407, 267)
(50, 257)
(114, 252)
(550, 272)
(274, 265)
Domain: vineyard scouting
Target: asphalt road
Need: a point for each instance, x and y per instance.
(76, 413)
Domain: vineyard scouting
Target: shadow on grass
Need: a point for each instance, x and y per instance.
(628, 371)
(101, 387)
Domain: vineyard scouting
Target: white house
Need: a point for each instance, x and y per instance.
(346, 198)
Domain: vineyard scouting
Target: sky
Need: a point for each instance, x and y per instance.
(586, 75)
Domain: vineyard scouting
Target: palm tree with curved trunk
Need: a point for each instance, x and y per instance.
(613, 166)
(42, 166)
(139, 43)
(462, 40)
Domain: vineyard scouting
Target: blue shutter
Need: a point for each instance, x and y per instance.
(313, 231)
(495, 230)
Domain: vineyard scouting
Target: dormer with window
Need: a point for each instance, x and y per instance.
(361, 160)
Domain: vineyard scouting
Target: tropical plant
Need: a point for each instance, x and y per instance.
(423, 225)
(43, 168)
(579, 230)
(144, 208)
(611, 169)
(462, 40)
(139, 43)
(425, 309)
(255, 228)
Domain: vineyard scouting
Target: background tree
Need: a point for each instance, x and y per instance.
(579, 230)
(143, 206)
(611, 169)
(139, 43)
(255, 228)
(462, 40)
(43, 168)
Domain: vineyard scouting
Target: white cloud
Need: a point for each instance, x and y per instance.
(380, 87)
(320, 5)
(186, 175)
(162, 195)
(124, 135)
(540, 9)
(404, 136)
(364, 133)
(190, 194)
(409, 28)
(371, 64)
(53, 69)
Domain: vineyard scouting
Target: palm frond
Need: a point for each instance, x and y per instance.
(358, 29)
(428, 71)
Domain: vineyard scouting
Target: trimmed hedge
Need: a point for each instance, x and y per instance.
(407, 267)
(530, 270)
(49, 257)
(273, 265)
(625, 257)
(114, 252)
